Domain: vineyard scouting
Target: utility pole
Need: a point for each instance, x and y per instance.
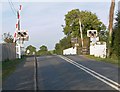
(81, 34)
(110, 28)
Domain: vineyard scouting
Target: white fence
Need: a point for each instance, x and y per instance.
(70, 51)
(98, 50)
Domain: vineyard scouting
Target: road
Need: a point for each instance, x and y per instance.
(58, 72)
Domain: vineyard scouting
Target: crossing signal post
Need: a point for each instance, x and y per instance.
(97, 48)
(20, 36)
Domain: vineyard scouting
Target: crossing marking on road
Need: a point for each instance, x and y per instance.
(102, 78)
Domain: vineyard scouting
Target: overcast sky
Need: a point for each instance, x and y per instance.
(43, 20)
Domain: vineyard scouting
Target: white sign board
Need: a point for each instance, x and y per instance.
(74, 40)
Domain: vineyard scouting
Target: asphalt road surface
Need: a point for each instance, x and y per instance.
(58, 72)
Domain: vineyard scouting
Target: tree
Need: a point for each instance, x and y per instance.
(89, 22)
(58, 48)
(63, 44)
(7, 37)
(32, 50)
(116, 37)
(43, 48)
(103, 36)
(43, 51)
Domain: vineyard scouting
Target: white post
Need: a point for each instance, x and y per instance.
(19, 50)
(19, 29)
(81, 34)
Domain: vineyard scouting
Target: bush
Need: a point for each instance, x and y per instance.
(115, 38)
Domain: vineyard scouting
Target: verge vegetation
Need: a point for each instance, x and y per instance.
(9, 66)
(107, 60)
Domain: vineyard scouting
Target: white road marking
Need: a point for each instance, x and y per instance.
(102, 78)
(95, 73)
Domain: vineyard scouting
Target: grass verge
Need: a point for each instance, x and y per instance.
(107, 60)
(9, 66)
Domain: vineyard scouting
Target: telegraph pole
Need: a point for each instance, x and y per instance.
(111, 15)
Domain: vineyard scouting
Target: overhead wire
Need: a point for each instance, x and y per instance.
(13, 6)
(13, 9)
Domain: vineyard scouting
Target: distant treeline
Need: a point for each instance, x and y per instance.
(31, 50)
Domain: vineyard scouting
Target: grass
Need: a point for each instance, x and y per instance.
(9, 66)
(107, 60)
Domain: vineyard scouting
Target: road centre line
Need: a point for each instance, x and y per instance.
(115, 83)
(102, 78)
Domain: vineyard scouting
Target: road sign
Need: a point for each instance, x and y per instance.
(74, 40)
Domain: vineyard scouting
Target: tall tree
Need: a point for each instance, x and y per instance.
(89, 21)
(110, 28)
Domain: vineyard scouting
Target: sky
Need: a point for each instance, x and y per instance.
(119, 6)
(43, 20)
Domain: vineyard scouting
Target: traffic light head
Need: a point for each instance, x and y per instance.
(92, 33)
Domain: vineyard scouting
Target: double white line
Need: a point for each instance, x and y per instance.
(100, 77)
